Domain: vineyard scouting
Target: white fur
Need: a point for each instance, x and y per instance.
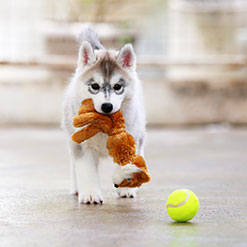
(127, 192)
(88, 179)
(124, 172)
(85, 156)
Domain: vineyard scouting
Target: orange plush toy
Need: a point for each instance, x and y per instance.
(120, 144)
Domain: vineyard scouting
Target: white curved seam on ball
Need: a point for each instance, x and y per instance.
(181, 203)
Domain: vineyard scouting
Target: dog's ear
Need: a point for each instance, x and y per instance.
(126, 57)
(86, 54)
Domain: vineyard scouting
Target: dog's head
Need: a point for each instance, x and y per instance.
(106, 76)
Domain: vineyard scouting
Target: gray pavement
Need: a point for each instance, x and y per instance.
(37, 210)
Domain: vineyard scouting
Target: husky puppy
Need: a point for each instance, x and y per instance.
(109, 78)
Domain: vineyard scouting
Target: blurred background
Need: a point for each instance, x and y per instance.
(191, 55)
(192, 60)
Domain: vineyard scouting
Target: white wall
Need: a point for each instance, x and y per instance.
(20, 37)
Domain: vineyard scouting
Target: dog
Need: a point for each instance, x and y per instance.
(109, 78)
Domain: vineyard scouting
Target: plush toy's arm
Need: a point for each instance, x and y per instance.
(85, 133)
(140, 177)
(93, 118)
(86, 106)
(122, 148)
(94, 122)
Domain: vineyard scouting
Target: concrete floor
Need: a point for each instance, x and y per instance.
(37, 210)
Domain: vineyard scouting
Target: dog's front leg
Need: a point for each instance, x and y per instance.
(88, 178)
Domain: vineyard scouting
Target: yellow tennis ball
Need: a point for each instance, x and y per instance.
(182, 205)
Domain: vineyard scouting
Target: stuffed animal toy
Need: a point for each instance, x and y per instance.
(120, 144)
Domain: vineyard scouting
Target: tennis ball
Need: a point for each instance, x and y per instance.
(182, 205)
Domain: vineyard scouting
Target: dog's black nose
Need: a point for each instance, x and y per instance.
(116, 186)
(106, 107)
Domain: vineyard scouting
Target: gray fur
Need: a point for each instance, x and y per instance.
(87, 34)
(140, 145)
(108, 67)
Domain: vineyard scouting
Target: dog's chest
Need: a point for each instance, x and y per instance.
(98, 144)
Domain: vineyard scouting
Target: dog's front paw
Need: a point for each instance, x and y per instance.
(127, 192)
(94, 197)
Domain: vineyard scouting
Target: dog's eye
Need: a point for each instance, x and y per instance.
(117, 87)
(95, 86)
